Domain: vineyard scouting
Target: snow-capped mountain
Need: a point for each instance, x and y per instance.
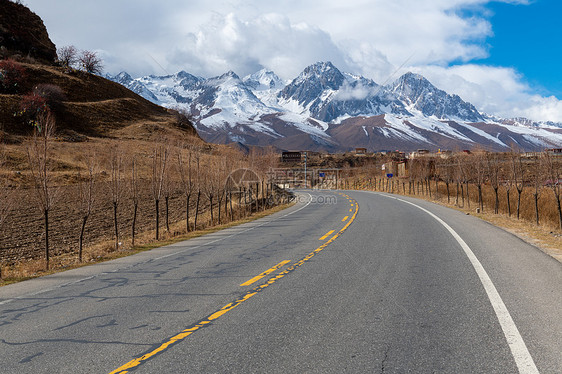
(326, 109)
(419, 94)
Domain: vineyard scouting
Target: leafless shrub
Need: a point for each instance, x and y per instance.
(53, 94)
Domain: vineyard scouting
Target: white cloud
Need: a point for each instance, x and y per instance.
(359, 92)
(270, 40)
(370, 37)
(494, 90)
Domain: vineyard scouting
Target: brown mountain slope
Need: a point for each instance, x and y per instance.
(92, 106)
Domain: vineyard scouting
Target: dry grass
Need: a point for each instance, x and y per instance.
(22, 234)
(541, 237)
(105, 251)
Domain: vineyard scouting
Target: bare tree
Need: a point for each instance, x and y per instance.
(116, 186)
(159, 165)
(537, 182)
(67, 56)
(493, 169)
(221, 175)
(134, 187)
(479, 168)
(508, 184)
(90, 62)
(38, 155)
(448, 175)
(185, 170)
(553, 171)
(197, 156)
(459, 174)
(86, 197)
(467, 173)
(209, 187)
(167, 190)
(517, 175)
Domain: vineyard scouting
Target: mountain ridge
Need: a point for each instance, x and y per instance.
(323, 105)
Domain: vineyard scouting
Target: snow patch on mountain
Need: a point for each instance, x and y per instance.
(322, 98)
(399, 124)
(303, 123)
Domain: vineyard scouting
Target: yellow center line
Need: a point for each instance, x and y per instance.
(345, 218)
(258, 277)
(351, 210)
(228, 307)
(327, 234)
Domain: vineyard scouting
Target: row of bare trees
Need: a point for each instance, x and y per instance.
(162, 171)
(509, 171)
(89, 61)
(506, 177)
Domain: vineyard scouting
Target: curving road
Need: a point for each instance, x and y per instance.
(342, 282)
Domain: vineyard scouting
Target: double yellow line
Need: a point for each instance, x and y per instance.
(228, 307)
(271, 270)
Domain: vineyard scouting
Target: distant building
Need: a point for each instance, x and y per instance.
(396, 168)
(360, 151)
(291, 156)
(445, 153)
(555, 151)
(419, 152)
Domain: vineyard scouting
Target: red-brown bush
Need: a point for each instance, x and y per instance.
(31, 106)
(12, 76)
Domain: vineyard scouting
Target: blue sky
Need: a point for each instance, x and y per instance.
(529, 39)
(502, 56)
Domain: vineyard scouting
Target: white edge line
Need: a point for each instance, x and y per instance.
(519, 350)
(157, 258)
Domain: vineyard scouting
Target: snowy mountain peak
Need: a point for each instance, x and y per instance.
(324, 108)
(264, 80)
(314, 86)
(323, 74)
(420, 95)
(230, 75)
(122, 78)
(182, 74)
(322, 67)
(411, 77)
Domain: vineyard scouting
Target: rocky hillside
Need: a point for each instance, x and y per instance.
(83, 104)
(23, 32)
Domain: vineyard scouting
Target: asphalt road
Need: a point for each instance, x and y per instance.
(342, 282)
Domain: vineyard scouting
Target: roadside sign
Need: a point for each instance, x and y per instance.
(321, 175)
(383, 166)
(390, 175)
